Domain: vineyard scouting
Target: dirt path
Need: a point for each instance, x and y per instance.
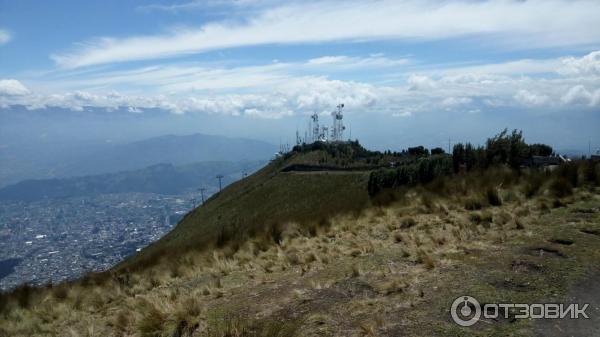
(587, 291)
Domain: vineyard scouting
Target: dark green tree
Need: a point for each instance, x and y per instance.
(437, 150)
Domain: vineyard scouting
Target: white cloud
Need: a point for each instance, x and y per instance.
(586, 65)
(514, 24)
(580, 95)
(276, 90)
(203, 4)
(453, 102)
(346, 62)
(420, 82)
(214, 77)
(5, 36)
(328, 60)
(527, 97)
(300, 95)
(11, 87)
(595, 98)
(134, 109)
(519, 67)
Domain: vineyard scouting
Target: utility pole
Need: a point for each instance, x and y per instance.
(220, 176)
(202, 189)
(449, 146)
(589, 149)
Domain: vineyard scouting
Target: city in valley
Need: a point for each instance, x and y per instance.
(53, 240)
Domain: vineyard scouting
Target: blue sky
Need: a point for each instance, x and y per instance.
(414, 68)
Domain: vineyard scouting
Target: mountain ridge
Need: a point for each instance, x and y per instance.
(94, 158)
(162, 178)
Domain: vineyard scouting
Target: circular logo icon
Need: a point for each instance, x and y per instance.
(465, 311)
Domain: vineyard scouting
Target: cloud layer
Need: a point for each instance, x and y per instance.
(509, 23)
(277, 90)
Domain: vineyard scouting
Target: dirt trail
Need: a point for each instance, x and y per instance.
(587, 291)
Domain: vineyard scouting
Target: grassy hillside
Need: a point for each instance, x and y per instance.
(261, 204)
(312, 253)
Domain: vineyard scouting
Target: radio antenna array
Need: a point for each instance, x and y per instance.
(337, 131)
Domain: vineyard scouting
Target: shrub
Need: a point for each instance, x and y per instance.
(190, 308)
(223, 236)
(61, 292)
(23, 295)
(407, 222)
(473, 204)
(418, 151)
(484, 218)
(591, 173)
(152, 321)
(540, 150)
(423, 171)
(398, 237)
(556, 203)
(121, 321)
(292, 257)
(425, 259)
(533, 184)
(437, 150)
(561, 187)
(493, 198)
(569, 172)
(276, 233)
(519, 224)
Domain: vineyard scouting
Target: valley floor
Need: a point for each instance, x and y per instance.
(390, 271)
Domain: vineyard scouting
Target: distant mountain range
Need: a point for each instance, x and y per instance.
(160, 178)
(171, 149)
(69, 160)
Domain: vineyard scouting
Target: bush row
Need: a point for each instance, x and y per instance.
(426, 169)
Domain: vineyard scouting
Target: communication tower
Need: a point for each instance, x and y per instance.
(315, 127)
(324, 134)
(337, 129)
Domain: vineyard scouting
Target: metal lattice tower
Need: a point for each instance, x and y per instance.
(324, 135)
(315, 127)
(337, 130)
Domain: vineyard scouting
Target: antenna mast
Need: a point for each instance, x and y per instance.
(315, 127)
(337, 132)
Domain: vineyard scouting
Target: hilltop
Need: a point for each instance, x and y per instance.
(308, 186)
(336, 240)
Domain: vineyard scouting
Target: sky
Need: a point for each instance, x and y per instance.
(409, 72)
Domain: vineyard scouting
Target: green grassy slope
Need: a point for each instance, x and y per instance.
(259, 203)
